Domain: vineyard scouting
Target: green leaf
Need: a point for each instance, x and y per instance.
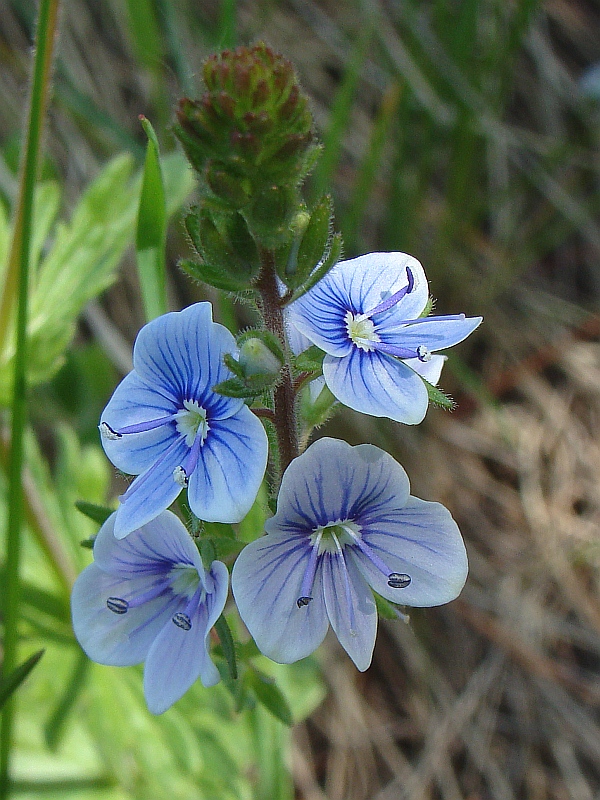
(98, 513)
(55, 727)
(213, 276)
(269, 694)
(12, 682)
(228, 645)
(151, 230)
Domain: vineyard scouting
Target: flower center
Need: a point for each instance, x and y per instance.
(191, 421)
(182, 580)
(361, 330)
(330, 538)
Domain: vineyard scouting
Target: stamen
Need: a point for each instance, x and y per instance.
(309, 574)
(182, 621)
(397, 352)
(108, 432)
(423, 353)
(117, 605)
(398, 580)
(181, 474)
(180, 477)
(138, 427)
(385, 305)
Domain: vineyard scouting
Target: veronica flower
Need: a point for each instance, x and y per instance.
(148, 598)
(365, 315)
(345, 522)
(165, 424)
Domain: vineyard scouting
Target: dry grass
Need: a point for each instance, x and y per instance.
(497, 695)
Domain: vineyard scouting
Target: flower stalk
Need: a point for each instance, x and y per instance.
(284, 396)
(17, 282)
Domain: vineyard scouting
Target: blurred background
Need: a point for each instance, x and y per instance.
(466, 134)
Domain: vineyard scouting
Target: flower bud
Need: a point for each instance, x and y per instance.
(256, 358)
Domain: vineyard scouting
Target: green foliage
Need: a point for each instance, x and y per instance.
(151, 234)
(268, 693)
(10, 683)
(81, 258)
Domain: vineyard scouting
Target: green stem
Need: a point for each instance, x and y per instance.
(16, 287)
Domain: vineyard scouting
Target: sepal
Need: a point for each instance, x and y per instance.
(330, 260)
(437, 397)
(310, 360)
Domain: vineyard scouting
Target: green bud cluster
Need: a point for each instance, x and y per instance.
(250, 138)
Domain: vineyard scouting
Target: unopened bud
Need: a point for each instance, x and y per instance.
(256, 358)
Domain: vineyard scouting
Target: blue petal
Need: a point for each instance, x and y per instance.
(374, 277)
(134, 401)
(433, 334)
(266, 582)
(230, 468)
(159, 544)
(350, 608)
(177, 657)
(358, 285)
(320, 316)
(376, 384)
(117, 639)
(151, 492)
(430, 370)
(422, 540)
(181, 353)
(332, 481)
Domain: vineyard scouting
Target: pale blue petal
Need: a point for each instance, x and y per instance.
(320, 316)
(372, 278)
(333, 481)
(430, 370)
(151, 492)
(433, 334)
(358, 286)
(297, 341)
(132, 402)
(350, 608)
(177, 658)
(230, 468)
(181, 354)
(117, 640)
(160, 543)
(266, 582)
(421, 540)
(377, 384)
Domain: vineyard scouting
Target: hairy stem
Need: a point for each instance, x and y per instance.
(284, 396)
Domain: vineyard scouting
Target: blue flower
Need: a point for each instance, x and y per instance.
(148, 598)
(165, 424)
(365, 315)
(345, 521)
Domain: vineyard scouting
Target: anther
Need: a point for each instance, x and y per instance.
(117, 605)
(423, 353)
(398, 580)
(303, 601)
(108, 432)
(180, 476)
(182, 621)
